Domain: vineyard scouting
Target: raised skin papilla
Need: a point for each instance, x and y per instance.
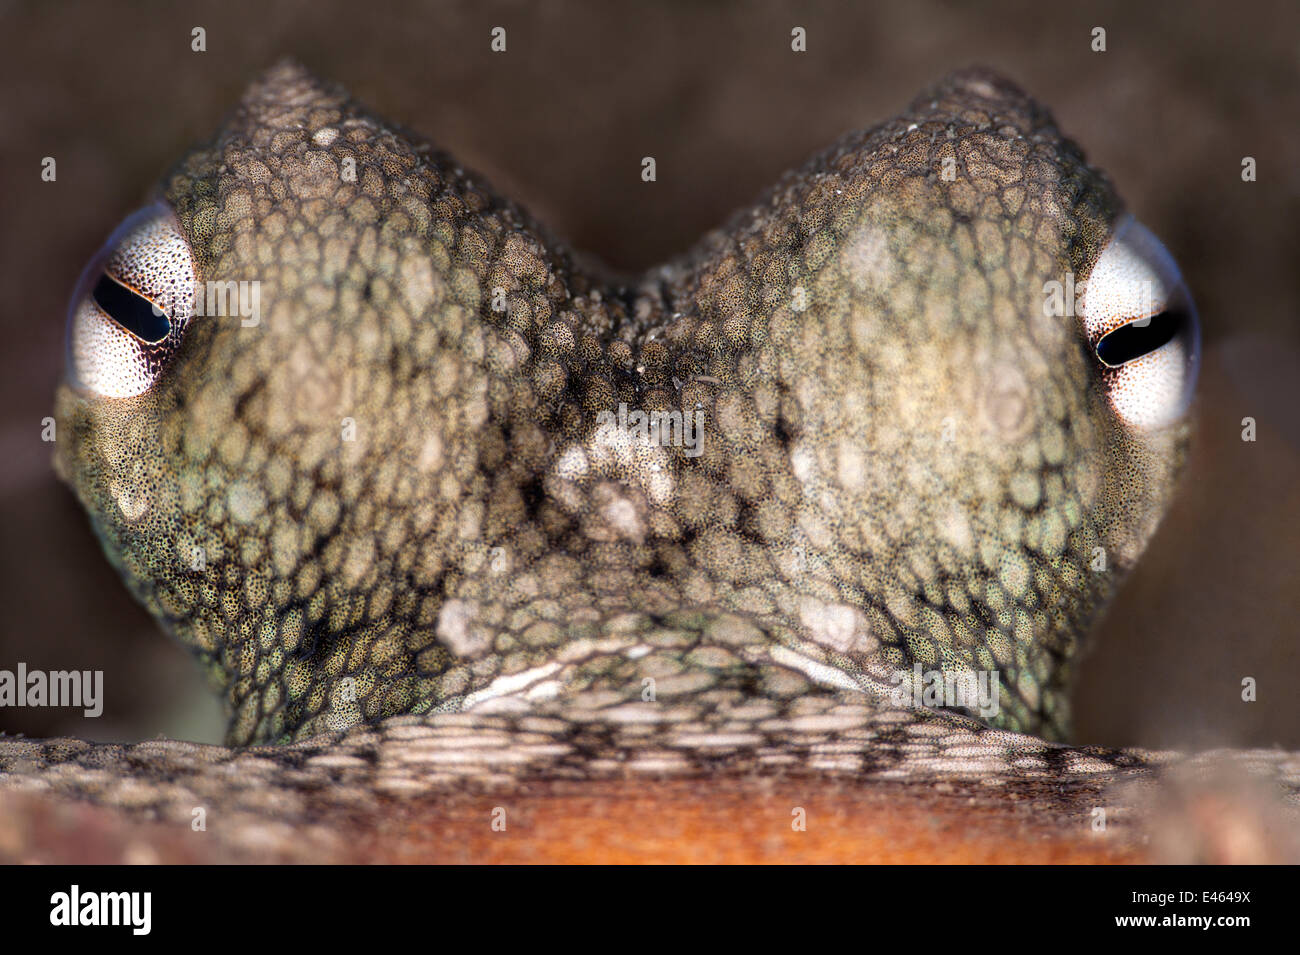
(397, 491)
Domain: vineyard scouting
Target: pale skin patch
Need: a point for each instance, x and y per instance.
(458, 630)
(868, 260)
(839, 626)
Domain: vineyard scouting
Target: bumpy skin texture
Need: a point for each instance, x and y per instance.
(406, 505)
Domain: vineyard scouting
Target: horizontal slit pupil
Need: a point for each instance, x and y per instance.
(132, 311)
(1133, 341)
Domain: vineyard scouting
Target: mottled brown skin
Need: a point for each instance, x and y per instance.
(397, 480)
(901, 460)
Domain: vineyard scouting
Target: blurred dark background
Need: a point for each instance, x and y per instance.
(713, 91)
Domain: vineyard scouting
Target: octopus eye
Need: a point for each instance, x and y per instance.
(130, 306)
(1141, 323)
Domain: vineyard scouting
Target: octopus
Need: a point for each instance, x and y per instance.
(841, 490)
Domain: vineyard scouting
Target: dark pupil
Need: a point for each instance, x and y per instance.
(132, 311)
(1133, 341)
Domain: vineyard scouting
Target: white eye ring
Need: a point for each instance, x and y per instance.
(131, 305)
(1141, 323)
